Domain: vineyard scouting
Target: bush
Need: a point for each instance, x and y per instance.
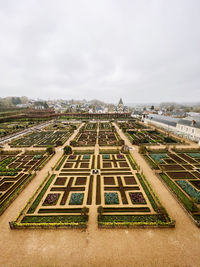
(73, 143)
(142, 149)
(50, 150)
(67, 150)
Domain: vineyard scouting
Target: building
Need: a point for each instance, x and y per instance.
(188, 127)
(120, 106)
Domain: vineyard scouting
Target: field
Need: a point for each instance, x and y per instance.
(16, 170)
(123, 195)
(181, 173)
(150, 137)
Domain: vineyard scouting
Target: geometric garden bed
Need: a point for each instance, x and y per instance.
(181, 173)
(17, 169)
(122, 196)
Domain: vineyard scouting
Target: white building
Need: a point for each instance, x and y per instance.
(188, 127)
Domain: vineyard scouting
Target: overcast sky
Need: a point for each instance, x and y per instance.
(142, 51)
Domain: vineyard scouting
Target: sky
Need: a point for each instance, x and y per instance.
(143, 51)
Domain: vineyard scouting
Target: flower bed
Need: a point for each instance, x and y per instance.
(190, 190)
(158, 157)
(86, 156)
(51, 199)
(137, 198)
(106, 156)
(111, 198)
(76, 199)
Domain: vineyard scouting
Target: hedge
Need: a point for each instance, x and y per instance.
(41, 194)
(185, 200)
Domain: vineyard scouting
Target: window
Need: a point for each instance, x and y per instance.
(192, 130)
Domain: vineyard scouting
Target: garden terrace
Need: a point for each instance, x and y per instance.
(15, 172)
(115, 185)
(42, 139)
(181, 173)
(150, 137)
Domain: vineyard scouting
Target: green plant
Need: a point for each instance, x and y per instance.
(84, 211)
(50, 150)
(67, 150)
(185, 200)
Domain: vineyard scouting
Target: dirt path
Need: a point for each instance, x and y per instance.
(94, 247)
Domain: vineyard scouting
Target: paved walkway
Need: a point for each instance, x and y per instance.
(94, 247)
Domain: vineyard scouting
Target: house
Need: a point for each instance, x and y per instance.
(190, 127)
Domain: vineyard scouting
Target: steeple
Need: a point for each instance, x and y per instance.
(120, 101)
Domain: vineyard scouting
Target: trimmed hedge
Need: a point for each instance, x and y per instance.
(149, 195)
(41, 194)
(185, 200)
(55, 219)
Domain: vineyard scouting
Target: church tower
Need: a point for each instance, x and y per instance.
(120, 106)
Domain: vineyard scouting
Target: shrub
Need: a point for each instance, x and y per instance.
(67, 150)
(73, 143)
(84, 211)
(50, 150)
(100, 210)
(142, 149)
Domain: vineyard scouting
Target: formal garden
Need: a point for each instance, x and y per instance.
(9, 128)
(131, 125)
(150, 137)
(62, 126)
(42, 139)
(102, 133)
(180, 171)
(17, 169)
(111, 181)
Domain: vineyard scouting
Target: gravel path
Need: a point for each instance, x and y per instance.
(94, 247)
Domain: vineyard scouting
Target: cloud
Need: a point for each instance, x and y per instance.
(142, 51)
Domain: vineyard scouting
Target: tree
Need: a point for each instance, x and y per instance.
(142, 149)
(84, 211)
(59, 143)
(50, 150)
(67, 150)
(121, 142)
(73, 143)
(100, 210)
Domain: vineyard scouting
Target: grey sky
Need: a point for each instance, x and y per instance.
(143, 51)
